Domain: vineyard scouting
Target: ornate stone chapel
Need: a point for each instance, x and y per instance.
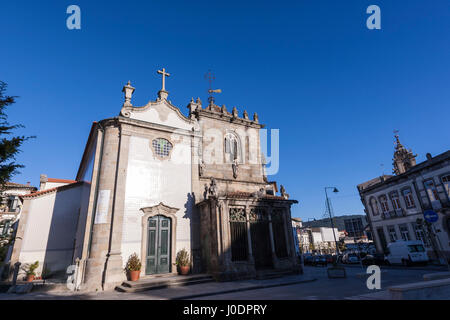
(159, 181)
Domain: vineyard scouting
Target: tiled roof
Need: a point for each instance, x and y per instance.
(18, 185)
(60, 180)
(57, 189)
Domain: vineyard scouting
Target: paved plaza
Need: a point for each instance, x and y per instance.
(314, 284)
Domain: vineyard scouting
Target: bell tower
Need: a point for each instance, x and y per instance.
(403, 159)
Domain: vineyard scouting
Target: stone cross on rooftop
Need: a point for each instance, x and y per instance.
(164, 74)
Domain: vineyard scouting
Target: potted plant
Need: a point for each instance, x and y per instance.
(31, 271)
(183, 262)
(134, 267)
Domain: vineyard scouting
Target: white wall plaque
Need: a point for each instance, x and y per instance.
(101, 212)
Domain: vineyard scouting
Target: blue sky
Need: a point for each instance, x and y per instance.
(312, 69)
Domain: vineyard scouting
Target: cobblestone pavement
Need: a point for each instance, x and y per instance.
(275, 289)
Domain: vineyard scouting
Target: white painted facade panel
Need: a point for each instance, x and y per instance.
(51, 229)
(150, 181)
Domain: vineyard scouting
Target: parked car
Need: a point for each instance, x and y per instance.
(308, 259)
(350, 258)
(319, 260)
(329, 258)
(370, 259)
(406, 253)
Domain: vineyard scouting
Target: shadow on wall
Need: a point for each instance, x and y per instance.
(191, 213)
(62, 233)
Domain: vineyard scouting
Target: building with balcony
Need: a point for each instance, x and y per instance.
(395, 204)
(11, 204)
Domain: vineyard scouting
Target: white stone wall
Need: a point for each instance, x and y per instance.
(411, 213)
(51, 229)
(150, 181)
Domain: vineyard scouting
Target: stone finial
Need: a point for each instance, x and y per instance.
(223, 109)
(128, 91)
(255, 117)
(163, 94)
(212, 189)
(192, 106)
(245, 114)
(198, 101)
(283, 192)
(235, 112)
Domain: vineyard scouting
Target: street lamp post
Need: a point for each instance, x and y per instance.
(335, 190)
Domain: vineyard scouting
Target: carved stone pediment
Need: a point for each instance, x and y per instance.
(160, 209)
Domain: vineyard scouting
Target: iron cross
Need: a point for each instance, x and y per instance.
(164, 74)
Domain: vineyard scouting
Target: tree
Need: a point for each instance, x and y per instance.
(9, 145)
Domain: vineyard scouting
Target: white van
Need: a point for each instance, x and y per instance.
(406, 252)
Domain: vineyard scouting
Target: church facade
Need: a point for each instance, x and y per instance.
(161, 182)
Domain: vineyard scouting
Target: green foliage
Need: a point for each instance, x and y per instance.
(133, 263)
(182, 258)
(9, 146)
(3, 253)
(31, 268)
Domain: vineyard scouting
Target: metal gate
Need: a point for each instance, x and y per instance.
(260, 234)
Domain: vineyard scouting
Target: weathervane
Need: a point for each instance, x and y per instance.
(396, 134)
(210, 77)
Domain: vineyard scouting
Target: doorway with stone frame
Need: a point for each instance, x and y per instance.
(158, 240)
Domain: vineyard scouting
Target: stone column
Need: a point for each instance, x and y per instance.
(251, 260)
(287, 231)
(101, 230)
(225, 235)
(272, 242)
(114, 272)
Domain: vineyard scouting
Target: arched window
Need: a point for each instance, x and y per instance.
(446, 183)
(409, 199)
(232, 146)
(374, 206)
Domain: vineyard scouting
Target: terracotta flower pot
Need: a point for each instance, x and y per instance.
(184, 270)
(134, 275)
(30, 278)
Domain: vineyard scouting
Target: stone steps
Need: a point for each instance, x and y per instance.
(163, 282)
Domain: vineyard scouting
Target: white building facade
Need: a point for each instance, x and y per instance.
(395, 205)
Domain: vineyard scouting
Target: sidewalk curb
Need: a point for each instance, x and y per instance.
(254, 287)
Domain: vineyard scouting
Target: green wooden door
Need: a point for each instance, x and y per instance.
(159, 244)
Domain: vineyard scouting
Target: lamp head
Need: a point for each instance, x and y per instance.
(335, 190)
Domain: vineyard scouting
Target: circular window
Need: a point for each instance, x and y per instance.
(162, 147)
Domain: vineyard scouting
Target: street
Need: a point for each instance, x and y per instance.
(322, 288)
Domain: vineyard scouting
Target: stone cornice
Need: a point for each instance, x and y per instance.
(226, 117)
(126, 110)
(155, 126)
